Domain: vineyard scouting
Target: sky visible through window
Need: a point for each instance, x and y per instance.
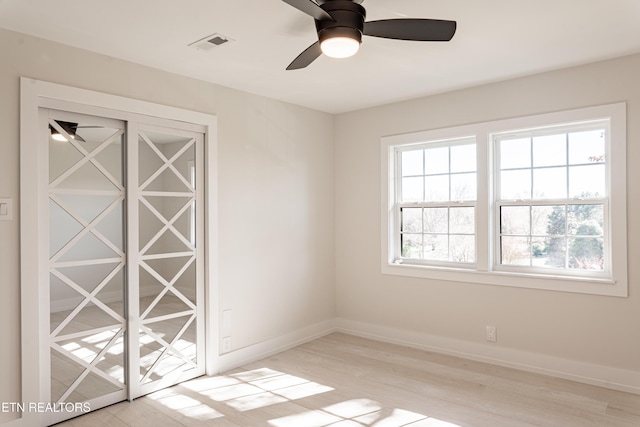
(557, 166)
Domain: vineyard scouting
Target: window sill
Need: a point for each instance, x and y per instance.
(582, 285)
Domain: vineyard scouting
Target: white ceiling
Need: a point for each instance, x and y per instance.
(495, 40)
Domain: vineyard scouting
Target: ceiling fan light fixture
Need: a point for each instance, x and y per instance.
(340, 47)
(339, 42)
(57, 136)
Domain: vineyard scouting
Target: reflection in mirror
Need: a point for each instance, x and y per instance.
(167, 270)
(86, 202)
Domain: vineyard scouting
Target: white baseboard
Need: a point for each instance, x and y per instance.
(602, 376)
(252, 353)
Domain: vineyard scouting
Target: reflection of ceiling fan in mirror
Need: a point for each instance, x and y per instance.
(340, 25)
(70, 128)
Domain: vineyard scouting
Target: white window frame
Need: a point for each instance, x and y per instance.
(442, 204)
(603, 199)
(487, 270)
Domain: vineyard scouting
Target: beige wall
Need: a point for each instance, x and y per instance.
(275, 192)
(583, 328)
(280, 176)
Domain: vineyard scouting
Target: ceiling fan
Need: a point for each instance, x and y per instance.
(340, 25)
(69, 127)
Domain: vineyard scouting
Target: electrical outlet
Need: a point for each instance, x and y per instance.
(491, 333)
(226, 344)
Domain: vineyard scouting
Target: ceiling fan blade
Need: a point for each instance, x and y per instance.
(311, 8)
(309, 55)
(428, 30)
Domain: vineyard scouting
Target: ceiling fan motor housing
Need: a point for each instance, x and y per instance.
(348, 20)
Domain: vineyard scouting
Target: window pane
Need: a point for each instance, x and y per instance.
(556, 223)
(586, 253)
(436, 160)
(463, 187)
(515, 220)
(515, 185)
(550, 150)
(436, 220)
(587, 181)
(586, 220)
(515, 251)
(539, 255)
(437, 188)
(586, 147)
(550, 183)
(412, 190)
(547, 220)
(411, 246)
(556, 248)
(515, 153)
(462, 249)
(436, 247)
(412, 220)
(462, 220)
(463, 158)
(412, 163)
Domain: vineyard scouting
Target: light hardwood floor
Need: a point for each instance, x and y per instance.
(346, 381)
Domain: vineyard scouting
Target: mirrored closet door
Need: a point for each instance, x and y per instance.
(125, 264)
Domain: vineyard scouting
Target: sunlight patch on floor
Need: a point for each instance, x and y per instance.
(248, 390)
(353, 408)
(306, 419)
(255, 401)
(260, 388)
(208, 383)
(358, 413)
(390, 418)
(255, 374)
(185, 405)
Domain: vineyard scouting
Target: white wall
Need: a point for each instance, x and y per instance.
(275, 193)
(592, 331)
(280, 177)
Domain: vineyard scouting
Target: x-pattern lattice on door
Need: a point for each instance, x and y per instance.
(169, 347)
(57, 189)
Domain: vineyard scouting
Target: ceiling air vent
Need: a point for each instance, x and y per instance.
(211, 42)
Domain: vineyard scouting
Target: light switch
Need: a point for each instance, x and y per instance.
(6, 211)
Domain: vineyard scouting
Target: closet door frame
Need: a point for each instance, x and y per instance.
(37, 94)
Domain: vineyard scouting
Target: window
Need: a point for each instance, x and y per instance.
(536, 202)
(551, 198)
(437, 202)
